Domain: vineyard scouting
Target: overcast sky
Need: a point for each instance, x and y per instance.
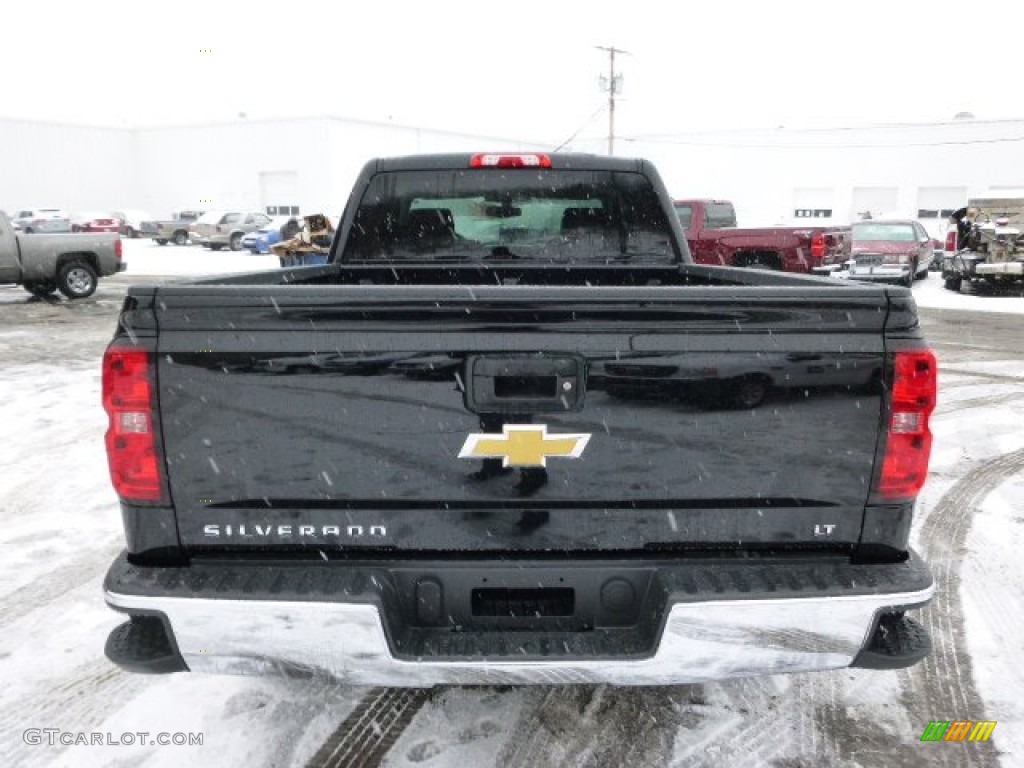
(521, 69)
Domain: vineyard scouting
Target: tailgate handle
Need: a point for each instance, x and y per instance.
(524, 384)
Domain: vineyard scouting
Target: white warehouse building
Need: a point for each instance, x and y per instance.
(772, 176)
(782, 176)
(308, 163)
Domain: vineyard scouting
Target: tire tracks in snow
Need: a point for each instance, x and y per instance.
(942, 687)
(364, 738)
(592, 726)
(78, 699)
(77, 702)
(979, 402)
(967, 373)
(747, 741)
(39, 593)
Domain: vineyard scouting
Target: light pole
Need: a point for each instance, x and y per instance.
(613, 86)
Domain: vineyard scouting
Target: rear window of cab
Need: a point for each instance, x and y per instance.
(549, 215)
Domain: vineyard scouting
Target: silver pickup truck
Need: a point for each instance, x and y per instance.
(70, 263)
(174, 230)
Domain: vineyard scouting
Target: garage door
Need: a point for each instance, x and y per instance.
(279, 192)
(878, 201)
(939, 202)
(813, 202)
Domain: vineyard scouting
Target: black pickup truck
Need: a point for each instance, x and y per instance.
(506, 434)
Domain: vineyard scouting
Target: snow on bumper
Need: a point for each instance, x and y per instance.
(701, 637)
(701, 642)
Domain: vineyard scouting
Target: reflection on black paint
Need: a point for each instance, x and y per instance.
(732, 381)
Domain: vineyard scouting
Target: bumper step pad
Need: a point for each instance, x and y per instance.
(898, 642)
(142, 645)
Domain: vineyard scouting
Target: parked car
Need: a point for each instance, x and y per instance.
(174, 230)
(264, 237)
(131, 221)
(93, 221)
(34, 220)
(890, 251)
(218, 229)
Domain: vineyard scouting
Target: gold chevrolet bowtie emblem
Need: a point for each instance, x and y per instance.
(523, 445)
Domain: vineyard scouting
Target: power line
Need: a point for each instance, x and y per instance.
(896, 145)
(578, 130)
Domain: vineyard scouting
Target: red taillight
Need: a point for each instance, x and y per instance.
(817, 246)
(951, 240)
(118, 249)
(130, 437)
(909, 440)
(510, 161)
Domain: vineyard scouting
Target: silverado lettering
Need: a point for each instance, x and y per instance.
(511, 433)
(243, 531)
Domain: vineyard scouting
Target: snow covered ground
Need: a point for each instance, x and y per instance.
(146, 258)
(931, 294)
(59, 529)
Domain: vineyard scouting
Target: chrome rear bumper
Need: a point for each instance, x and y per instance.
(700, 640)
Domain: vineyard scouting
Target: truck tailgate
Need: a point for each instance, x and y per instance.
(343, 417)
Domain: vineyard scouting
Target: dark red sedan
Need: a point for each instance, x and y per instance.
(894, 250)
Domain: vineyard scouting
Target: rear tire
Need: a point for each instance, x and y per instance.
(953, 284)
(215, 246)
(747, 393)
(235, 244)
(180, 237)
(160, 242)
(77, 280)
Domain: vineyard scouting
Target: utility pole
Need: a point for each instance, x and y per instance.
(614, 86)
